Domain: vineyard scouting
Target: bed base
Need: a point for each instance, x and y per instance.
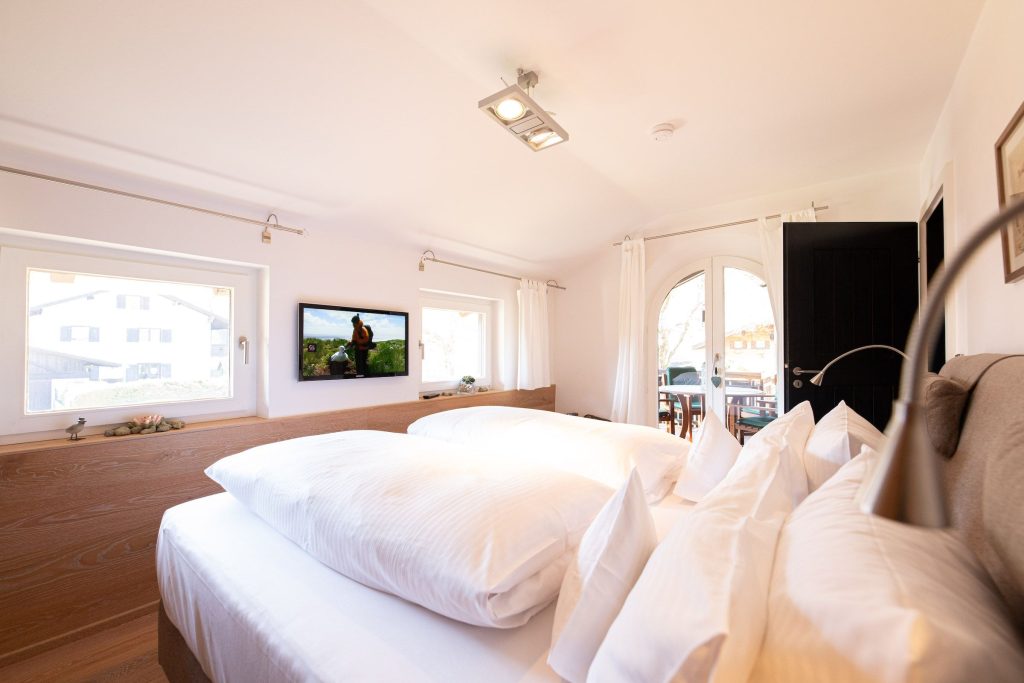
(177, 661)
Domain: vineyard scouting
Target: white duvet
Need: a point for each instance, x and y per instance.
(603, 451)
(481, 540)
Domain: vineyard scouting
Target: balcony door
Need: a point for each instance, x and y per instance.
(716, 330)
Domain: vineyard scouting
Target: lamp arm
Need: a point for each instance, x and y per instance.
(927, 324)
(859, 348)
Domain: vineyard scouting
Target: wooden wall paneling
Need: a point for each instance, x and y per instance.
(78, 520)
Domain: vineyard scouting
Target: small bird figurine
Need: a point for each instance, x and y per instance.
(75, 428)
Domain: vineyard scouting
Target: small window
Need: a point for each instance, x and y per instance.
(456, 341)
(100, 336)
(79, 333)
(133, 302)
(148, 335)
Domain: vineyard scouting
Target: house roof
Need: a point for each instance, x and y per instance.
(217, 322)
(70, 356)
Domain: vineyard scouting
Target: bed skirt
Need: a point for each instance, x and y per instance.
(177, 661)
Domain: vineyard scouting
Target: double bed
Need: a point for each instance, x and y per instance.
(252, 606)
(241, 602)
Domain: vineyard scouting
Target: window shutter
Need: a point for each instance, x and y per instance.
(165, 336)
(94, 334)
(65, 333)
(133, 334)
(120, 301)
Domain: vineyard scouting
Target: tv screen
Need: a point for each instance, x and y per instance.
(336, 342)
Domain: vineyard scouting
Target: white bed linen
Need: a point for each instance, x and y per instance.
(603, 451)
(482, 540)
(254, 607)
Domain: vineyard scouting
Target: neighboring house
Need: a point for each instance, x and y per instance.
(758, 339)
(103, 336)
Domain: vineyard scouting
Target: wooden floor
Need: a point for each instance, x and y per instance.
(122, 653)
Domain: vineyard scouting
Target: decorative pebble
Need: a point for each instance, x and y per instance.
(137, 426)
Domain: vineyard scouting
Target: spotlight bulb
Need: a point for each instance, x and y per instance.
(510, 109)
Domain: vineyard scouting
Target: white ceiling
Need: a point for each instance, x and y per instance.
(362, 115)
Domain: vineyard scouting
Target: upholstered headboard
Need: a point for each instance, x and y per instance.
(985, 477)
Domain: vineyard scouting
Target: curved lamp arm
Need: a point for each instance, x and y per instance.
(816, 380)
(906, 485)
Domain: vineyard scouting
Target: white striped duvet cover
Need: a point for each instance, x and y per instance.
(482, 540)
(603, 451)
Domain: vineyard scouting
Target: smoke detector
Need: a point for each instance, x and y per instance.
(662, 131)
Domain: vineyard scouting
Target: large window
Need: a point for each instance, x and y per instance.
(456, 341)
(108, 339)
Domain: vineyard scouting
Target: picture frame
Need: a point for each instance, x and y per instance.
(1010, 179)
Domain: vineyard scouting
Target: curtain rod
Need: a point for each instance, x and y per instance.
(550, 283)
(263, 224)
(720, 225)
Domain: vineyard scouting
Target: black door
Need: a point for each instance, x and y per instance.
(847, 285)
(935, 252)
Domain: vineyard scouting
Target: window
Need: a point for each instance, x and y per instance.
(116, 374)
(101, 337)
(79, 333)
(133, 302)
(457, 341)
(149, 334)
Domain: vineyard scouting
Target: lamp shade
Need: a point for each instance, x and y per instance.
(907, 487)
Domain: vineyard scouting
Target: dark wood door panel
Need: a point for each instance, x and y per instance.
(848, 285)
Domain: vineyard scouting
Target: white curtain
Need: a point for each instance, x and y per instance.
(534, 366)
(629, 402)
(771, 256)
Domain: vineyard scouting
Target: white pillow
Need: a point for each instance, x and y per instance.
(836, 438)
(603, 451)
(856, 597)
(697, 611)
(609, 559)
(485, 541)
(792, 430)
(713, 455)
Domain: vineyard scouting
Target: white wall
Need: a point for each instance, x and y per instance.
(960, 159)
(343, 266)
(586, 351)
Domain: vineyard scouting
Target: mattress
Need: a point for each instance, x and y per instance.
(254, 607)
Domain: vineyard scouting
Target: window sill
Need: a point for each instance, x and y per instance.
(49, 444)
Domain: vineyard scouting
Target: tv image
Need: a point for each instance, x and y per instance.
(338, 342)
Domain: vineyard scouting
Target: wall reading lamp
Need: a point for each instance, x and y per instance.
(816, 380)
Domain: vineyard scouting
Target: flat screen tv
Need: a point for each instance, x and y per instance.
(341, 342)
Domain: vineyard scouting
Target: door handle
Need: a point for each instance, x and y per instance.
(800, 371)
(243, 343)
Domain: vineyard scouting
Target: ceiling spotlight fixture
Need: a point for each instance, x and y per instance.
(516, 112)
(662, 131)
